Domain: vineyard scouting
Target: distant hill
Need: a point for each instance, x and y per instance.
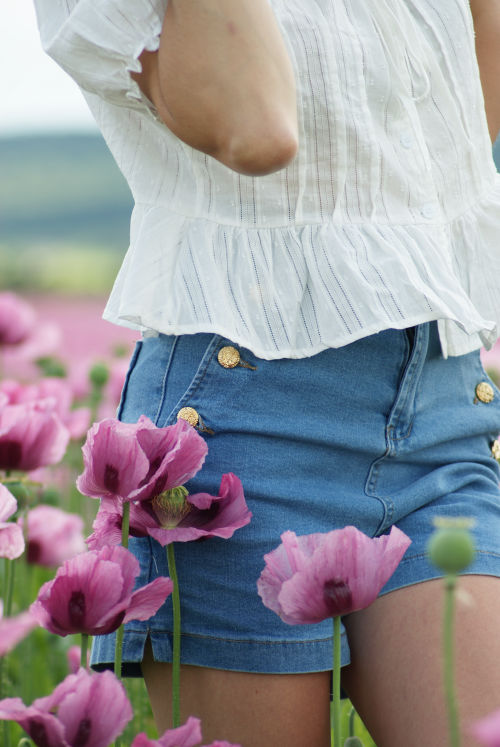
(62, 188)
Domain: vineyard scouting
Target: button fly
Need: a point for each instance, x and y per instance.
(485, 392)
(189, 414)
(229, 357)
(495, 449)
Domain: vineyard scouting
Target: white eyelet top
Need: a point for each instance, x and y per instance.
(389, 216)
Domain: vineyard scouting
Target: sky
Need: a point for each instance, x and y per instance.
(35, 94)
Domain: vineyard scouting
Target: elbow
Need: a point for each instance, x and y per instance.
(259, 153)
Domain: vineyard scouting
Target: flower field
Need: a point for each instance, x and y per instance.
(66, 572)
(68, 337)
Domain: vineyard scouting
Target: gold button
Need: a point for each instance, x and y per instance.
(229, 357)
(484, 392)
(189, 414)
(495, 449)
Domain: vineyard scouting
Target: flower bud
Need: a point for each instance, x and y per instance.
(451, 548)
(20, 491)
(51, 496)
(51, 366)
(99, 375)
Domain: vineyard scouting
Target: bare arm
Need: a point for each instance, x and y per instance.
(223, 83)
(486, 14)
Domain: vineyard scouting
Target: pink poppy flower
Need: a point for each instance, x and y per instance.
(93, 593)
(176, 516)
(117, 374)
(57, 395)
(487, 730)
(14, 629)
(31, 436)
(88, 710)
(11, 535)
(315, 576)
(17, 319)
(188, 735)
(139, 461)
(53, 536)
(73, 657)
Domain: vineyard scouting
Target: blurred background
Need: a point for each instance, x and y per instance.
(64, 224)
(64, 205)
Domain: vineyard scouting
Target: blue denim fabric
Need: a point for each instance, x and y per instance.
(382, 431)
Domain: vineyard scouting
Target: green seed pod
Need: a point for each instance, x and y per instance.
(20, 491)
(51, 496)
(99, 375)
(451, 549)
(50, 366)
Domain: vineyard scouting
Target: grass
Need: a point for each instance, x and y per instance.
(58, 268)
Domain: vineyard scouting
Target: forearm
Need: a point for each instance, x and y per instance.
(223, 83)
(486, 14)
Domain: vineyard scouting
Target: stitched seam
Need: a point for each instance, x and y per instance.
(199, 636)
(198, 377)
(164, 382)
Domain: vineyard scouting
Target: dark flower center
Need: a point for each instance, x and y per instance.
(337, 597)
(11, 453)
(154, 465)
(33, 552)
(38, 733)
(111, 479)
(83, 734)
(76, 609)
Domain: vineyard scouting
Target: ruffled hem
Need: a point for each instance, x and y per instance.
(294, 291)
(98, 44)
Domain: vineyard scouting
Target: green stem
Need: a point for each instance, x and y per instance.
(176, 649)
(25, 742)
(449, 683)
(83, 653)
(125, 523)
(352, 717)
(121, 629)
(10, 568)
(9, 591)
(336, 682)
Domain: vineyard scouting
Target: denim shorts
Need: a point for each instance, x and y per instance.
(382, 431)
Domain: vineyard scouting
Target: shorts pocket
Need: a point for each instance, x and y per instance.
(132, 365)
(189, 360)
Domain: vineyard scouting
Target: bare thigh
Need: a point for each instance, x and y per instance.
(255, 710)
(395, 678)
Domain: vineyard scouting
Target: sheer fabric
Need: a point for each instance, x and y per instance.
(389, 215)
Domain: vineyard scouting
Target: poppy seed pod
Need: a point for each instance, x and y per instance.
(451, 548)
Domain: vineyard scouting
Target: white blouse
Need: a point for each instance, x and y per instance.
(389, 216)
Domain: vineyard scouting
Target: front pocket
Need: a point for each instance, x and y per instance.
(188, 362)
(132, 365)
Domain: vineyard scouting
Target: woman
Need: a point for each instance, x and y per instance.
(314, 266)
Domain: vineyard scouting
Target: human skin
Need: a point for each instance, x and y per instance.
(395, 679)
(231, 59)
(486, 15)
